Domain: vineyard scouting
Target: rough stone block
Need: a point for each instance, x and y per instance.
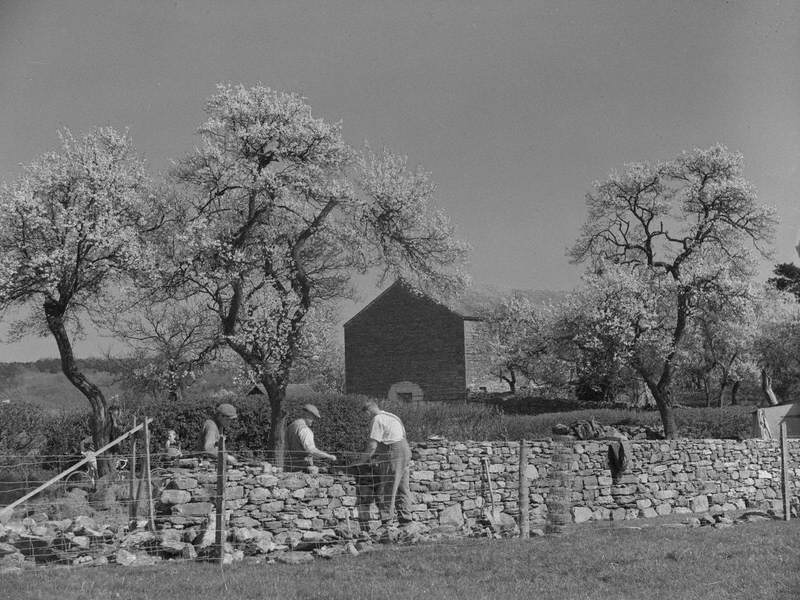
(193, 509)
(581, 514)
(175, 496)
(699, 504)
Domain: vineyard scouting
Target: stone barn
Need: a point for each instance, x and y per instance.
(404, 345)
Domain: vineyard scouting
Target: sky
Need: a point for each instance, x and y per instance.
(515, 107)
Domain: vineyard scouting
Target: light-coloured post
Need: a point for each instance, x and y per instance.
(220, 504)
(150, 509)
(132, 480)
(785, 473)
(524, 499)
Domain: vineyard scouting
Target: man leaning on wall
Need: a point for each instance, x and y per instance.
(300, 447)
(213, 429)
(387, 448)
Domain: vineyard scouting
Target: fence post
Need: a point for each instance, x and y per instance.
(150, 509)
(524, 499)
(132, 480)
(785, 472)
(559, 496)
(220, 504)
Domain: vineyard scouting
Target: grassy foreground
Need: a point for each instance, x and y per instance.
(757, 560)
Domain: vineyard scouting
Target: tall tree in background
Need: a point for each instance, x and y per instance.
(685, 227)
(776, 346)
(320, 357)
(171, 342)
(787, 278)
(602, 328)
(282, 214)
(72, 227)
(510, 333)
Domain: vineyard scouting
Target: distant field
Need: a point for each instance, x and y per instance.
(749, 562)
(53, 392)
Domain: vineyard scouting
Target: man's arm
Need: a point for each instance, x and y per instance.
(367, 454)
(307, 439)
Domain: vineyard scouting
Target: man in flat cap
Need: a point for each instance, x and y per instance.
(214, 428)
(300, 447)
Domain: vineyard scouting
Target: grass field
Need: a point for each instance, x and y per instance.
(608, 561)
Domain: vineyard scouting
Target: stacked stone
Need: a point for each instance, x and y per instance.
(663, 477)
(292, 507)
(559, 498)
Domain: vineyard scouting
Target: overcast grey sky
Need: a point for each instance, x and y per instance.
(515, 107)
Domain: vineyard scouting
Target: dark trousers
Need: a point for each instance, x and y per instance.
(393, 462)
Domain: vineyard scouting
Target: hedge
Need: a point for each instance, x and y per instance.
(29, 435)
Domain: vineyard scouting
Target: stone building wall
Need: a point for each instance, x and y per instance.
(449, 485)
(478, 360)
(405, 337)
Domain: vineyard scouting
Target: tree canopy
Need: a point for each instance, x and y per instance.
(280, 212)
(682, 231)
(73, 226)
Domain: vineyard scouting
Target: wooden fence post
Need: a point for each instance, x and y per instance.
(132, 480)
(785, 473)
(220, 504)
(559, 496)
(524, 499)
(150, 509)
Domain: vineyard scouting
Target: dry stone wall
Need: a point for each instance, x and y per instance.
(451, 489)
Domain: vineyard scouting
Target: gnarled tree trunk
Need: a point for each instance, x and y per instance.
(662, 394)
(766, 387)
(735, 393)
(54, 313)
(276, 442)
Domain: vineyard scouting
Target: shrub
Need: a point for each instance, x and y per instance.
(31, 440)
(455, 421)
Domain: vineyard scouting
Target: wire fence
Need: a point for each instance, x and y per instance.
(81, 517)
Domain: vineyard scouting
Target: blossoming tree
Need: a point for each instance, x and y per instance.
(73, 226)
(282, 213)
(685, 228)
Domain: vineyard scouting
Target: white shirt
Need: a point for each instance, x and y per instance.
(386, 428)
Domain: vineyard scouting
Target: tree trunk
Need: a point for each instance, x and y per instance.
(707, 391)
(511, 380)
(276, 442)
(662, 394)
(766, 387)
(54, 314)
(664, 403)
(734, 393)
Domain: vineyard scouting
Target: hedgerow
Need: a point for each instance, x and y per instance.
(51, 441)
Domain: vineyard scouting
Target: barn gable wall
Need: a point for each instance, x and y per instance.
(478, 359)
(401, 336)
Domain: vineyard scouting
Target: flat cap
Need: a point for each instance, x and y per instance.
(227, 410)
(310, 408)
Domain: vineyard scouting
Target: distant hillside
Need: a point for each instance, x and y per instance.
(43, 384)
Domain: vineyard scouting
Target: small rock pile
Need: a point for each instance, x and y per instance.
(36, 540)
(592, 430)
(721, 520)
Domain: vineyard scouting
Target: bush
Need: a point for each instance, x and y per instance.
(452, 420)
(31, 440)
(531, 405)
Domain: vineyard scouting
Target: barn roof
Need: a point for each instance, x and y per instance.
(473, 301)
